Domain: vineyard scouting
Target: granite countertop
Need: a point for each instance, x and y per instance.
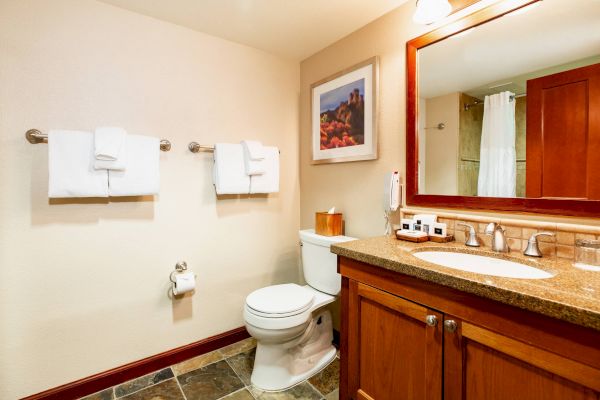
(572, 295)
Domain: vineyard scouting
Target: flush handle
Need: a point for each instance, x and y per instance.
(431, 320)
(450, 325)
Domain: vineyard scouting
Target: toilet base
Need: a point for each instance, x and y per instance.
(283, 365)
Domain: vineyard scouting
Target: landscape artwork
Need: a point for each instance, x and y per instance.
(342, 116)
(343, 110)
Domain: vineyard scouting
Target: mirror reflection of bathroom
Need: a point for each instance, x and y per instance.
(506, 92)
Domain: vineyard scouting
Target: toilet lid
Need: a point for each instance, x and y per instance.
(280, 300)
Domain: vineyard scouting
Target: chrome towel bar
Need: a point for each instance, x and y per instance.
(196, 147)
(35, 136)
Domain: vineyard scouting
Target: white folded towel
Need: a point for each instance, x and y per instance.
(142, 173)
(254, 156)
(70, 167)
(269, 181)
(116, 165)
(254, 150)
(109, 148)
(229, 175)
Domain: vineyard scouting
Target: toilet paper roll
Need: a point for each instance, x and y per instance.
(184, 282)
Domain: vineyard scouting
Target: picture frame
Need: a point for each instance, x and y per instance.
(344, 114)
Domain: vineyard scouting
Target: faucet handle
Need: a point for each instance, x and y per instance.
(491, 228)
(533, 248)
(472, 240)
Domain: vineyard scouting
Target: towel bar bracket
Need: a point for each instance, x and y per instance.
(165, 145)
(195, 147)
(35, 136)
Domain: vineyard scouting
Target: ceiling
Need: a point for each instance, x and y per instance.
(518, 84)
(294, 29)
(492, 56)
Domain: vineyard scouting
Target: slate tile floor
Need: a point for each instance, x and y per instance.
(223, 374)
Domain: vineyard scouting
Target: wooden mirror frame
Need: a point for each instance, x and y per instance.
(567, 207)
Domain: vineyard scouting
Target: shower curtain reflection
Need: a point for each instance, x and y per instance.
(498, 164)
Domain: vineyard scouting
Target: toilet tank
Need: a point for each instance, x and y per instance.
(318, 263)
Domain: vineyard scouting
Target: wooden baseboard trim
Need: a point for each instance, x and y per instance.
(106, 379)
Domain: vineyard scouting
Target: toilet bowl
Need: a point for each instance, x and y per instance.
(291, 323)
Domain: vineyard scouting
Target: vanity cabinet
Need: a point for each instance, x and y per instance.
(395, 346)
(406, 338)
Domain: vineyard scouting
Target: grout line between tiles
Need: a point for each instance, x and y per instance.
(317, 390)
(196, 369)
(180, 388)
(235, 372)
(239, 390)
(249, 388)
(145, 387)
(231, 355)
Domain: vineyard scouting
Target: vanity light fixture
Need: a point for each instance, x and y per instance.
(430, 11)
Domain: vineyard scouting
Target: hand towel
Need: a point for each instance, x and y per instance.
(141, 176)
(229, 174)
(116, 165)
(269, 181)
(70, 166)
(254, 155)
(109, 148)
(254, 150)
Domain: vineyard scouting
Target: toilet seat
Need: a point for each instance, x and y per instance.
(279, 321)
(280, 301)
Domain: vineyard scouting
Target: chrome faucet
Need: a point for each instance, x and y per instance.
(472, 240)
(499, 243)
(533, 250)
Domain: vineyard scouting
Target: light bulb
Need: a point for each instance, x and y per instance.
(430, 11)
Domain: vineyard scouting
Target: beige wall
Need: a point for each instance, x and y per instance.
(356, 188)
(83, 286)
(442, 145)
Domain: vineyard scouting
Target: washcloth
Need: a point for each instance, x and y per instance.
(254, 155)
(70, 166)
(229, 174)
(109, 148)
(268, 182)
(141, 176)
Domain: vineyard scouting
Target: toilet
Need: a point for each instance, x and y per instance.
(293, 330)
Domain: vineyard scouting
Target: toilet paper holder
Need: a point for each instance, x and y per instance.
(179, 268)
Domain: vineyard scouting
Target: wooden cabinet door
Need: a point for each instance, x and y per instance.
(393, 353)
(563, 134)
(482, 364)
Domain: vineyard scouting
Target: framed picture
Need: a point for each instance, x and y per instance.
(343, 113)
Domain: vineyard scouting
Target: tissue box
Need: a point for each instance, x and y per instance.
(328, 224)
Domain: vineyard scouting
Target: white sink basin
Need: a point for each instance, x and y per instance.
(482, 265)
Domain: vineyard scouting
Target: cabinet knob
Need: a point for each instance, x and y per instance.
(431, 320)
(450, 325)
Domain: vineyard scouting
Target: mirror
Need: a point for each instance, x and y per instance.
(510, 108)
